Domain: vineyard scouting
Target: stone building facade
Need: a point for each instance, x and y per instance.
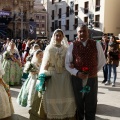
(100, 15)
(40, 18)
(14, 17)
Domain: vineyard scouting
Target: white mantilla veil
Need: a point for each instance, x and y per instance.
(34, 58)
(9, 47)
(15, 49)
(33, 61)
(64, 41)
(46, 54)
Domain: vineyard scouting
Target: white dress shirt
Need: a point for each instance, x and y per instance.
(69, 58)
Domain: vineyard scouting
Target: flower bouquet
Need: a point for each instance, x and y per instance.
(30, 68)
(86, 89)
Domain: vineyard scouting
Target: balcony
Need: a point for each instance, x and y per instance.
(59, 15)
(66, 27)
(52, 16)
(76, 12)
(86, 10)
(75, 26)
(97, 24)
(67, 14)
(97, 8)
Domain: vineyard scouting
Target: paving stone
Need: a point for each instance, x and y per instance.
(108, 101)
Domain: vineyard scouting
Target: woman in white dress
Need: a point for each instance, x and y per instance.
(27, 92)
(58, 99)
(5, 105)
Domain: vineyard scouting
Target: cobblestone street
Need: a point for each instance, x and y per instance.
(108, 102)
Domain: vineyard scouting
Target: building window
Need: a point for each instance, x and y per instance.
(86, 20)
(37, 25)
(67, 36)
(67, 11)
(75, 35)
(43, 17)
(97, 21)
(37, 17)
(67, 25)
(76, 9)
(52, 27)
(75, 23)
(43, 25)
(52, 15)
(60, 12)
(59, 24)
(97, 7)
(37, 32)
(53, 1)
(86, 7)
(56, 24)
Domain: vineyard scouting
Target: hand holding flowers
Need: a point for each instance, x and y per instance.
(83, 74)
(86, 88)
(29, 67)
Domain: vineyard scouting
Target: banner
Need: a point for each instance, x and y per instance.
(63, 19)
(4, 13)
(32, 29)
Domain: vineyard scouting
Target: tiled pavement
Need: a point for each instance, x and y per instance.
(108, 102)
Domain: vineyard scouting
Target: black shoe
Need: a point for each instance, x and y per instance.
(104, 81)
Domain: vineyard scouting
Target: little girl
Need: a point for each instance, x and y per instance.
(26, 95)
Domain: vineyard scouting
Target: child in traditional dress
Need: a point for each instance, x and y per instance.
(28, 59)
(26, 95)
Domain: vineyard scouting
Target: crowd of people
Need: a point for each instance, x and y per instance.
(59, 79)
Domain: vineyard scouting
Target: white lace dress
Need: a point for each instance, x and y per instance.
(58, 99)
(5, 108)
(27, 92)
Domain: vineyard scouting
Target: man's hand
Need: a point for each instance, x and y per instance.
(82, 75)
